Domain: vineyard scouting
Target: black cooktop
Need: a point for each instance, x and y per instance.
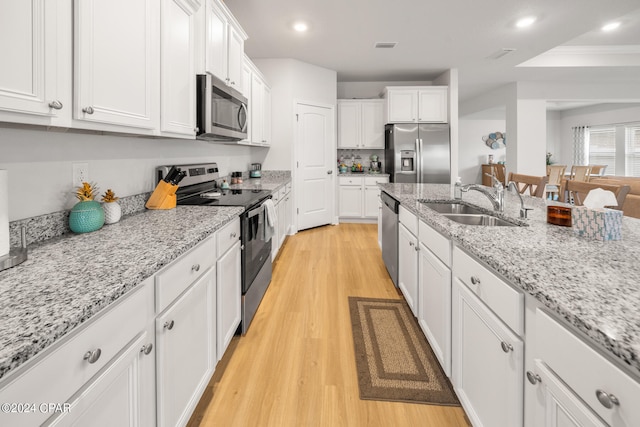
(219, 197)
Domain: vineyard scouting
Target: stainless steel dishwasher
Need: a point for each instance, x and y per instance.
(390, 235)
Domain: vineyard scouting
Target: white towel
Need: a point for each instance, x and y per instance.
(271, 218)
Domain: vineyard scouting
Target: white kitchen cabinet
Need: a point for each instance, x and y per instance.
(360, 124)
(359, 196)
(288, 200)
(116, 57)
(35, 80)
(487, 362)
(419, 104)
(225, 45)
(266, 115)
(258, 93)
(229, 296)
(235, 57)
(256, 105)
(177, 68)
(283, 204)
(186, 350)
(408, 266)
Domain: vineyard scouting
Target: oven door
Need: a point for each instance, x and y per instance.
(256, 243)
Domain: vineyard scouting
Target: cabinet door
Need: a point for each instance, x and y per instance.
(371, 201)
(177, 56)
(403, 105)
(246, 91)
(116, 58)
(282, 223)
(266, 115)
(34, 47)
(408, 267)
(434, 309)
(257, 107)
(122, 394)
(433, 105)
(557, 405)
(349, 125)
(235, 58)
(350, 199)
(217, 43)
(186, 351)
(229, 297)
(379, 222)
(288, 213)
(372, 124)
(488, 360)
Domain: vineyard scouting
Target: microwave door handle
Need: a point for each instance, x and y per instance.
(243, 126)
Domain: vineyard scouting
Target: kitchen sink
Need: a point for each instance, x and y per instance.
(453, 208)
(479, 219)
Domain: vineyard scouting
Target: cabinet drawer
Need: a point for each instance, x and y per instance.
(181, 273)
(505, 301)
(436, 242)
(374, 180)
(585, 371)
(350, 180)
(227, 236)
(58, 374)
(408, 219)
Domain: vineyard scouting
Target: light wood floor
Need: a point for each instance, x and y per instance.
(295, 366)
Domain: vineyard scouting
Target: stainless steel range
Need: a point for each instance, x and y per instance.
(199, 187)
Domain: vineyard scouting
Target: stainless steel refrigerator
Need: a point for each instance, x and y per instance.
(419, 153)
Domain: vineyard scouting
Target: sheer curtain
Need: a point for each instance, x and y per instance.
(580, 142)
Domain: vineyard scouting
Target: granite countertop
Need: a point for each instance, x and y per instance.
(70, 278)
(593, 285)
(272, 183)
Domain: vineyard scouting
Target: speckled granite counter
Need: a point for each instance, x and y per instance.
(594, 285)
(68, 279)
(272, 182)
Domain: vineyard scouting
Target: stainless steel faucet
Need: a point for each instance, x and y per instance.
(495, 195)
(523, 210)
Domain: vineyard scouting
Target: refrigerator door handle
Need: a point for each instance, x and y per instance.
(418, 166)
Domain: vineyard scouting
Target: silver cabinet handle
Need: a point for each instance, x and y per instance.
(56, 105)
(146, 349)
(169, 324)
(410, 243)
(88, 110)
(533, 378)
(475, 280)
(607, 400)
(233, 235)
(417, 248)
(195, 267)
(329, 172)
(506, 347)
(92, 356)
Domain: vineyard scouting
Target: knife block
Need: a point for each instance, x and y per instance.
(163, 197)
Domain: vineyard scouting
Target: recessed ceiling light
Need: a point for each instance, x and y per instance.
(611, 26)
(525, 22)
(300, 26)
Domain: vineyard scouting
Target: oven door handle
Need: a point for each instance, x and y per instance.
(255, 212)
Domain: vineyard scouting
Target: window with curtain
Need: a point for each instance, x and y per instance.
(602, 147)
(632, 155)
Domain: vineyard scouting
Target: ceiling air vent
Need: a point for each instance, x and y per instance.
(500, 53)
(385, 45)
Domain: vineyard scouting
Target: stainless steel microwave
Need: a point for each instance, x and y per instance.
(221, 110)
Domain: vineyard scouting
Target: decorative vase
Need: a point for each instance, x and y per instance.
(86, 216)
(112, 212)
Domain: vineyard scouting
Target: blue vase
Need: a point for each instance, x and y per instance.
(86, 216)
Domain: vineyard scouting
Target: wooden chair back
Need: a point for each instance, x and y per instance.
(498, 170)
(578, 190)
(533, 184)
(555, 173)
(580, 173)
(598, 169)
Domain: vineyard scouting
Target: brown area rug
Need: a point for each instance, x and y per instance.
(393, 358)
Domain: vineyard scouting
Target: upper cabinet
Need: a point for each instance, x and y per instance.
(35, 39)
(258, 93)
(420, 104)
(116, 57)
(360, 123)
(224, 45)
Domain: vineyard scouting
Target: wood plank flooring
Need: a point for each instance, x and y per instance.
(295, 366)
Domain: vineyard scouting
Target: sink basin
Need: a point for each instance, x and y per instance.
(452, 208)
(479, 219)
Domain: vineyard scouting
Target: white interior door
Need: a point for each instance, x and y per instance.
(315, 152)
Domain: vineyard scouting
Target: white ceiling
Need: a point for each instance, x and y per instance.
(434, 36)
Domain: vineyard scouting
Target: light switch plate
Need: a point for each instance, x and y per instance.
(80, 174)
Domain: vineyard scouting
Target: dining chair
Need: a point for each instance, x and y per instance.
(534, 184)
(555, 175)
(578, 190)
(598, 170)
(580, 173)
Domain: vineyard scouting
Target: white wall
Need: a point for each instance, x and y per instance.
(40, 161)
(554, 139)
(473, 152)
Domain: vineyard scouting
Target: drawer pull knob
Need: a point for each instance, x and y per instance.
(169, 324)
(92, 356)
(195, 267)
(88, 110)
(533, 378)
(506, 347)
(475, 280)
(146, 349)
(56, 105)
(233, 235)
(607, 400)
(410, 243)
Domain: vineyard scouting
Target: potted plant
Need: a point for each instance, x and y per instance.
(112, 210)
(87, 215)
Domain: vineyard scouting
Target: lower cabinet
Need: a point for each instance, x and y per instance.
(229, 304)
(350, 197)
(186, 350)
(359, 196)
(283, 204)
(408, 267)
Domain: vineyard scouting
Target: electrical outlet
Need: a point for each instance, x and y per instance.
(80, 174)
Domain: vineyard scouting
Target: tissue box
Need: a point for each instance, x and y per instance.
(601, 224)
